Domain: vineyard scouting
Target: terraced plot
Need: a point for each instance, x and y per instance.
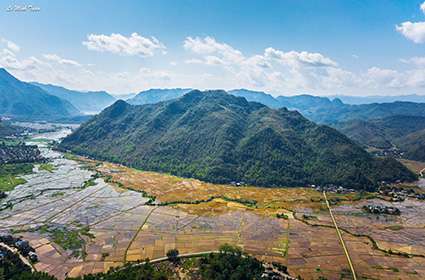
(90, 227)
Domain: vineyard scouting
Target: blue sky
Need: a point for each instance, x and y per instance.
(282, 47)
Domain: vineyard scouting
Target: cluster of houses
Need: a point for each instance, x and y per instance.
(393, 152)
(276, 272)
(398, 194)
(23, 247)
(381, 209)
(332, 188)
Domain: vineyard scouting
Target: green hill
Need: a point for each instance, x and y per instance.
(381, 133)
(217, 137)
(413, 145)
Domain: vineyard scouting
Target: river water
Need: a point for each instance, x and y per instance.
(58, 196)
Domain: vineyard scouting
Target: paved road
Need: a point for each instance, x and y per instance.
(340, 238)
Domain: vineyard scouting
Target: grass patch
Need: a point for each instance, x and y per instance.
(8, 183)
(9, 173)
(282, 216)
(395, 227)
(47, 167)
(68, 239)
(40, 140)
(57, 194)
(89, 183)
(70, 156)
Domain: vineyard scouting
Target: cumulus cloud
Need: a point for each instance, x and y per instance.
(416, 60)
(60, 60)
(292, 72)
(414, 31)
(216, 53)
(378, 76)
(223, 66)
(55, 69)
(272, 69)
(134, 45)
(11, 45)
(297, 58)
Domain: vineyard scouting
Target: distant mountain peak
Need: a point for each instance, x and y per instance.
(85, 101)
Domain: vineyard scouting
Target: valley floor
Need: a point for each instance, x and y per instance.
(84, 216)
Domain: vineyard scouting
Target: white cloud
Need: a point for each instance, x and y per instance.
(213, 64)
(60, 60)
(119, 44)
(216, 53)
(414, 31)
(377, 77)
(11, 45)
(298, 58)
(274, 69)
(293, 72)
(417, 60)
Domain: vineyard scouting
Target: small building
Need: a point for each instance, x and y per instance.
(33, 257)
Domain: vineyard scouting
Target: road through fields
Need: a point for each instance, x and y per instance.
(340, 238)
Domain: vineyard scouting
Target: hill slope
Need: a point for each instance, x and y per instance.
(381, 133)
(87, 102)
(413, 145)
(217, 137)
(26, 101)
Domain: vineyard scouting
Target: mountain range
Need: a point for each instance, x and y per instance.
(90, 102)
(152, 96)
(23, 100)
(319, 109)
(357, 100)
(221, 138)
(407, 133)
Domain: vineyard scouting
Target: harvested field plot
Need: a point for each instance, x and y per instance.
(107, 215)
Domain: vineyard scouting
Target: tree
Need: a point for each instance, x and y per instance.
(173, 255)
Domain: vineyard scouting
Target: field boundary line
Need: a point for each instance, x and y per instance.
(340, 237)
(137, 233)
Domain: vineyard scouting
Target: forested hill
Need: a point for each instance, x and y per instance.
(217, 137)
(23, 100)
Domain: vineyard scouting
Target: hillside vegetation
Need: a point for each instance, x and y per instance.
(413, 145)
(25, 101)
(318, 109)
(220, 138)
(405, 132)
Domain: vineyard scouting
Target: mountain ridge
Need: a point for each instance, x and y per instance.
(218, 137)
(84, 101)
(23, 100)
